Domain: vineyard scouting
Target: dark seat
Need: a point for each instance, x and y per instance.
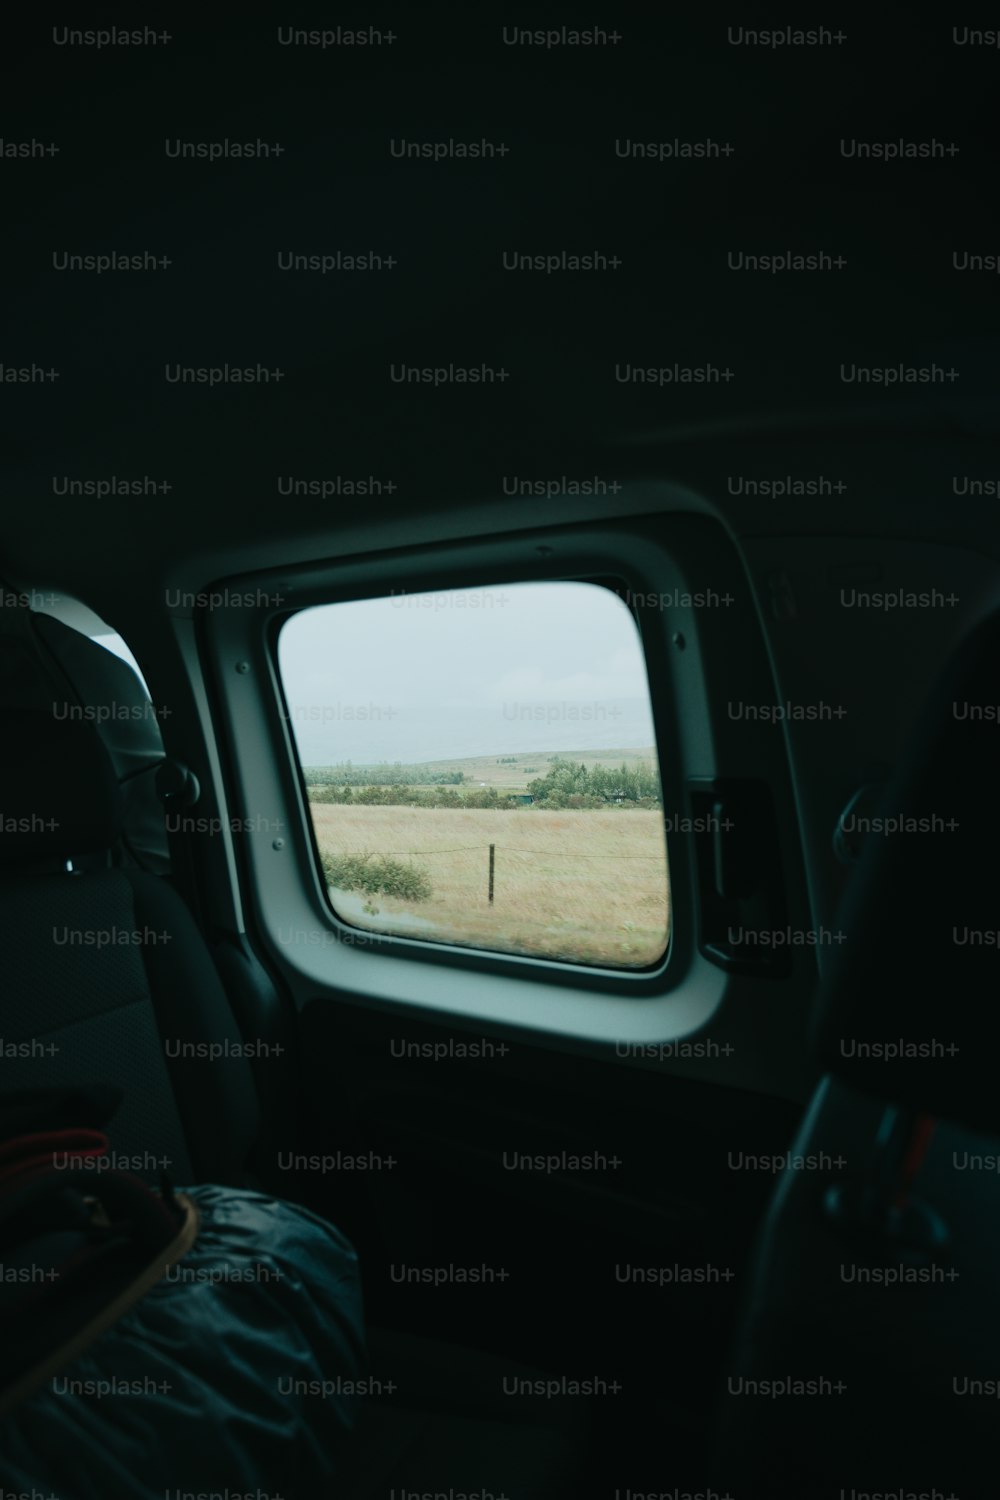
(105, 975)
(47, 664)
(106, 979)
(876, 1268)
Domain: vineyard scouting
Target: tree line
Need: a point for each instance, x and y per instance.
(572, 784)
(566, 784)
(406, 796)
(347, 774)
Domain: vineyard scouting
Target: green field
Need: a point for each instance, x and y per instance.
(586, 886)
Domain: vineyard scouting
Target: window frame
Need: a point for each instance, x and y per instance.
(319, 954)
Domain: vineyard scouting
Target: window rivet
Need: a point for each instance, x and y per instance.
(242, 667)
(679, 640)
(277, 844)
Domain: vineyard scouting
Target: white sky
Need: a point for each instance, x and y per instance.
(501, 669)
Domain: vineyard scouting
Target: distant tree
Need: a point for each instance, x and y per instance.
(567, 780)
(383, 774)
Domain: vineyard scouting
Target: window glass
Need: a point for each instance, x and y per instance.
(481, 769)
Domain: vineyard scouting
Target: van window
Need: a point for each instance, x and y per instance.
(481, 769)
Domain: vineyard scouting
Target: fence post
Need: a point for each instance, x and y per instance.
(492, 856)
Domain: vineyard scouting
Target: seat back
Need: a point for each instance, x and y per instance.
(874, 1283)
(106, 978)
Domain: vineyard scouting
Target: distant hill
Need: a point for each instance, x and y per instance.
(507, 771)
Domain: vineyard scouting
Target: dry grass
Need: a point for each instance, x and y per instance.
(587, 886)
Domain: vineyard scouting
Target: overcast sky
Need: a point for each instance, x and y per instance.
(497, 670)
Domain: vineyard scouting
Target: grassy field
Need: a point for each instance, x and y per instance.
(587, 886)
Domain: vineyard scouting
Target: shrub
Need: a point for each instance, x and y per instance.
(331, 794)
(377, 875)
(442, 797)
(485, 796)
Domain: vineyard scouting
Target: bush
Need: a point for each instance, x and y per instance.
(384, 796)
(377, 875)
(324, 794)
(485, 796)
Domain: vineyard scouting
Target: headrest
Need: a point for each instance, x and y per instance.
(910, 1005)
(127, 723)
(59, 795)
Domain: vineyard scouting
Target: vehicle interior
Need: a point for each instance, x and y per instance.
(681, 1183)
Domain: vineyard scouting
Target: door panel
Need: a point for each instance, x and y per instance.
(457, 1195)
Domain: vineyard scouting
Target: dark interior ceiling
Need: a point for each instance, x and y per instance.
(560, 187)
